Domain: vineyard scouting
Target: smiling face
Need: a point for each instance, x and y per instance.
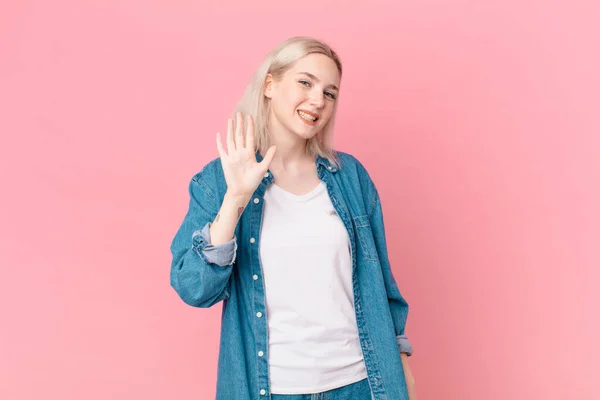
(303, 100)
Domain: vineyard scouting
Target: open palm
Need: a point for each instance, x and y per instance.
(242, 172)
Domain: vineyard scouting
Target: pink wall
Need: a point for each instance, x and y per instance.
(478, 121)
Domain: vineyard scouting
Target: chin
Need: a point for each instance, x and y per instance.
(305, 131)
(306, 134)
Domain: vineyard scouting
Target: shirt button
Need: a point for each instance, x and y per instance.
(259, 314)
(255, 277)
(260, 354)
(266, 175)
(329, 168)
(256, 200)
(263, 392)
(252, 240)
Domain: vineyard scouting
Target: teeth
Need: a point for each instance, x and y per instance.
(307, 117)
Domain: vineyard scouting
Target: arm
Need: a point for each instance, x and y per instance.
(410, 380)
(397, 303)
(203, 258)
(201, 267)
(223, 227)
(398, 306)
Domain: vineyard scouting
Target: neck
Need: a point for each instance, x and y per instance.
(291, 149)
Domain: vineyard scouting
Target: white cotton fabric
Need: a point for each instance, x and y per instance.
(307, 266)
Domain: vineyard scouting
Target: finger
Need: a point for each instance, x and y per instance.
(220, 147)
(239, 132)
(250, 133)
(230, 142)
(268, 158)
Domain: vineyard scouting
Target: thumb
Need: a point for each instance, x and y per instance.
(268, 158)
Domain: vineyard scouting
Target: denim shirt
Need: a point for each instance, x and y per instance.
(204, 275)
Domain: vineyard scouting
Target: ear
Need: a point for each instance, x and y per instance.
(268, 86)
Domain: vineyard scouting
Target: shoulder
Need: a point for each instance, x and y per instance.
(350, 164)
(347, 159)
(209, 179)
(357, 179)
(212, 168)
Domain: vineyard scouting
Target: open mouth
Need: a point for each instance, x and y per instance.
(308, 117)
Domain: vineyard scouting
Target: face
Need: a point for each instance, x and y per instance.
(302, 101)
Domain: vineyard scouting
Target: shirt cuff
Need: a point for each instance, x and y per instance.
(222, 254)
(404, 345)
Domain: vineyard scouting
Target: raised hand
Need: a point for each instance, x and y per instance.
(242, 172)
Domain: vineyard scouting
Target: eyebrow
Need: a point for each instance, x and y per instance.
(317, 79)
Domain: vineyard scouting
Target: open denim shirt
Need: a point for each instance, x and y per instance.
(203, 275)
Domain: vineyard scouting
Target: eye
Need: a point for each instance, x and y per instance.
(305, 83)
(331, 95)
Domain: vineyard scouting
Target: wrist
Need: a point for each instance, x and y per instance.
(237, 199)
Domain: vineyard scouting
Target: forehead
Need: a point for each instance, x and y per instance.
(319, 65)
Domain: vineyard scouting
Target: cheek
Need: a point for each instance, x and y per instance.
(295, 96)
(328, 113)
(289, 98)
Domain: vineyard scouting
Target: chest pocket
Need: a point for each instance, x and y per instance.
(365, 237)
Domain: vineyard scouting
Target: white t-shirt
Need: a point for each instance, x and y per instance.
(307, 266)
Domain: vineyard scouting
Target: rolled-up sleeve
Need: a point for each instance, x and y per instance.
(404, 345)
(222, 254)
(198, 281)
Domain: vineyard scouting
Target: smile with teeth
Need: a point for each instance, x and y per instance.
(307, 117)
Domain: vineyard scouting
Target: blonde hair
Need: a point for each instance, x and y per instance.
(277, 63)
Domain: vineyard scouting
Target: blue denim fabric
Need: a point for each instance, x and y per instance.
(204, 275)
(355, 391)
(223, 254)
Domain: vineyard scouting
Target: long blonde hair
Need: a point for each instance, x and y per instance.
(277, 63)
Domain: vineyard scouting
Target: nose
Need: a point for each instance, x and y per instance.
(317, 99)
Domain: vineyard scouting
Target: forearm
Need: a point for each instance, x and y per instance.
(200, 272)
(223, 227)
(410, 380)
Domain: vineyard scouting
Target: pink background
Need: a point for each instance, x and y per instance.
(477, 120)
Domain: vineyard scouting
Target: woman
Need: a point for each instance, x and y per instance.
(290, 235)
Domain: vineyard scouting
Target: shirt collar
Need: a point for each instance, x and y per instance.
(320, 161)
